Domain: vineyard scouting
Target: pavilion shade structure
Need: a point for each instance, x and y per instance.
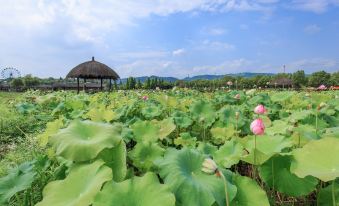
(93, 70)
(282, 82)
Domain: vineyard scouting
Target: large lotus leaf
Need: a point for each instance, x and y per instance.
(115, 158)
(145, 131)
(181, 170)
(229, 154)
(144, 154)
(167, 101)
(51, 129)
(186, 140)
(99, 114)
(249, 193)
(227, 116)
(325, 195)
(303, 134)
(281, 96)
(276, 174)
(267, 146)
(151, 111)
(318, 158)
(278, 127)
(299, 115)
(141, 191)
(166, 127)
(203, 112)
(18, 179)
(79, 187)
(207, 148)
(83, 140)
(331, 132)
(181, 119)
(221, 134)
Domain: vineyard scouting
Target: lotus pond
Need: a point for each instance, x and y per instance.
(178, 147)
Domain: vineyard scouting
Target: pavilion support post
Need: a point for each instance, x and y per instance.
(78, 85)
(84, 87)
(110, 84)
(101, 84)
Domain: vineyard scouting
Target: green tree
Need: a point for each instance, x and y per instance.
(318, 78)
(17, 82)
(299, 78)
(334, 78)
(30, 81)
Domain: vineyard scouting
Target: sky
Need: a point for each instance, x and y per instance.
(178, 38)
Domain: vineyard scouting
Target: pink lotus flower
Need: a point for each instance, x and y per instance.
(258, 127)
(322, 87)
(229, 83)
(260, 109)
(237, 96)
(145, 97)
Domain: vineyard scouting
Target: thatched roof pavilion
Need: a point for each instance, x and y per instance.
(93, 70)
(282, 81)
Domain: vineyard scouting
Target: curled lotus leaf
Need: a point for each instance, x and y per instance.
(318, 158)
(329, 194)
(141, 191)
(18, 179)
(81, 185)
(181, 171)
(221, 134)
(84, 140)
(276, 174)
(229, 154)
(203, 112)
(186, 140)
(249, 193)
(144, 154)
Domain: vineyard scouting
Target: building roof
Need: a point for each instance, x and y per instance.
(93, 70)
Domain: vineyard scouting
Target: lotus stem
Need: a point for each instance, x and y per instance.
(333, 196)
(225, 186)
(255, 148)
(316, 123)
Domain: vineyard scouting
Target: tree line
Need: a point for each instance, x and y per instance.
(298, 79)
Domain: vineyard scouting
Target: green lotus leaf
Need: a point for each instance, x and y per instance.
(186, 140)
(151, 111)
(229, 154)
(100, 114)
(203, 112)
(303, 134)
(80, 186)
(144, 154)
(141, 191)
(207, 148)
(18, 179)
(145, 131)
(281, 96)
(267, 146)
(227, 116)
(331, 132)
(325, 195)
(83, 140)
(249, 193)
(166, 127)
(278, 127)
(181, 171)
(51, 129)
(181, 119)
(299, 115)
(276, 174)
(221, 134)
(318, 158)
(115, 158)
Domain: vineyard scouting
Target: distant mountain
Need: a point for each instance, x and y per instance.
(201, 77)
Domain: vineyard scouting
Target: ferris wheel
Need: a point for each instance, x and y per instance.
(10, 73)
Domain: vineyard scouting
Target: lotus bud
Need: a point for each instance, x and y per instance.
(257, 127)
(309, 106)
(260, 109)
(307, 95)
(145, 97)
(209, 166)
(237, 115)
(237, 96)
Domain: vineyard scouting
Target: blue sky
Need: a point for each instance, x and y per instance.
(170, 38)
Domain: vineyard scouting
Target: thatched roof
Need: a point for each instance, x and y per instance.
(93, 70)
(282, 81)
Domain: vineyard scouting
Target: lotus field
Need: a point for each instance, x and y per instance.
(177, 147)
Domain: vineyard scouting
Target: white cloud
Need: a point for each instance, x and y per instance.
(214, 45)
(217, 31)
(312, 29)
(317, 6)
(178, 52)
